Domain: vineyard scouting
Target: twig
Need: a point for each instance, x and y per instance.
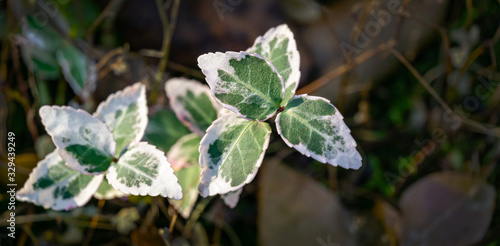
(108, 11)
(172, 223)
(173, 65)
(420, 79)
(325, 79)
(104, 60)
(168, 31)
(442, 33)
(94, 222)
(195, 215)
(468, 122)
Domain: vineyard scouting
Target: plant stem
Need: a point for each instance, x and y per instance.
(168, 31)
(325, 79)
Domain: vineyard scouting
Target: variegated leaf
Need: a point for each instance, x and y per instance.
(231, 153)
(54, 185)
(189, 179)
(232, 198)
(125, 112)
(314, 127)
(74, 66)
(144, 170)
(245, 83)
(107, 192)
(184, 152)
(193, 103)
(278, 46)
(83, 141)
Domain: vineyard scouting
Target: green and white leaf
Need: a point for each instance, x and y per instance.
(42, 63)
(184, 152)
(278, 47)
(43, 37)
(314, 127)
(244, 83)
(231, 153)
(232, 198)
(38, 45)
(125, 112)
(107, 192)
(83, 141)
(189, 179)
(164, 129)
(193, 103)
(54, 185)
(144, 170)
(73, 66)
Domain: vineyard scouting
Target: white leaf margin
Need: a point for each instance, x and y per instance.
(165, 184)
(45, 197)
(179, 87)
(211, 62)
(51, 118)
(282, 32)
(231, 199)
(350, 160)
(211, 183)
(120, 100)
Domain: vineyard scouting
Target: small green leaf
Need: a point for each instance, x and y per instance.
(144, 170)
(193, 103)
(184, 152)
(231, 153)
(44, 65)
(84, 142)
(278, 47)
(315, 128)
(107, 192)
(244, 83)
(189, 179)
(74, 67)
(164, 129)
(125, 113)
(54, 185)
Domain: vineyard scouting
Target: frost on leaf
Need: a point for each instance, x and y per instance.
(54, 185)
(144, 170)
(278, 47)
(125, 112)
(193, 103)
(231, 153)
(83, 141)
(315, 128)
(244, 83)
